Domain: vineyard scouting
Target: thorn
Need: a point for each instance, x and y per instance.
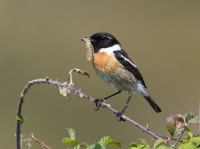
(38, 83)
(22, 95)
(81, 95)
(47, 78)
(153, 138)
(147, 127)
(130, 117)
(168, 140)
(141, 131)
(113, 113)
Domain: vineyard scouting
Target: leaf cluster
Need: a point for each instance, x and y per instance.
(102, 144)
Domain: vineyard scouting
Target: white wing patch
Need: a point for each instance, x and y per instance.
(128, 61)
(110, 50)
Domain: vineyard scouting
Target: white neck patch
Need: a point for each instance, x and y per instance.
(110, 50)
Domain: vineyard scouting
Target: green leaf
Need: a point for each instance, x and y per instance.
(99, 146)
(20, 118)
(71, 133)
(158, 143)
(189, 145)
(186, 140)
(132, 145)
(194, 120)
(188, 116)
(140, 146)
(146, 144)
(189, 132)
(105, 140)
(179, 131)
(171, 125)
(197, 144)
(164, 147)
(74, 143)
(115, 143)
(87, 146)
(175, 124)
(195, 135)
(180, 119)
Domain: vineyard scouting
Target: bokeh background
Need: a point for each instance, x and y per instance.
(41, 38)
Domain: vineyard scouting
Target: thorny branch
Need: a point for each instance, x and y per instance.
(179, 137)
(170, 138)
(38, 141)
(56, 83)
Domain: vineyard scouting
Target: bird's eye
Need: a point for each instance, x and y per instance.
(103, 38)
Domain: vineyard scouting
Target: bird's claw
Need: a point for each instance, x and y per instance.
(120, 115)
(98, 103)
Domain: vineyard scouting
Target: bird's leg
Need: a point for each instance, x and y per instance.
(120, 113)
(98, 101)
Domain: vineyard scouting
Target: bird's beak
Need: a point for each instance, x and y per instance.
(82, 38)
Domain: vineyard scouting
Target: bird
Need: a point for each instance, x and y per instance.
(114, 66)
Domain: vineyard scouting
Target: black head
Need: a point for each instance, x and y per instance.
(103, 40)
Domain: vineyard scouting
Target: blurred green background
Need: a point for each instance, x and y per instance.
(41, 38)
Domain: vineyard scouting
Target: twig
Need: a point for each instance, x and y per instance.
(179, 137)
(169, 138)
(38, 141)
(56, 83)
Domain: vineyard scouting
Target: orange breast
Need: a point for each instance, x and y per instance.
(106, 63)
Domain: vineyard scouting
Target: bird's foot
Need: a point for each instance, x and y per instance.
(120, 115)
(98, 103)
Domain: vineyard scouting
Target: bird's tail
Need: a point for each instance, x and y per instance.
(153, 104)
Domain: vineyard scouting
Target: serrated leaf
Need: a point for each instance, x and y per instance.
(171, 125)
(132, 145)
(158, 142)
(146, 144)
(189, 145)
(115, 143)
(71, 133)
(194, 120)
(20, 118)
(81, 72)
(74, 143)
(188, 116)
(105, 140)
(99, 146)
(189, 132)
